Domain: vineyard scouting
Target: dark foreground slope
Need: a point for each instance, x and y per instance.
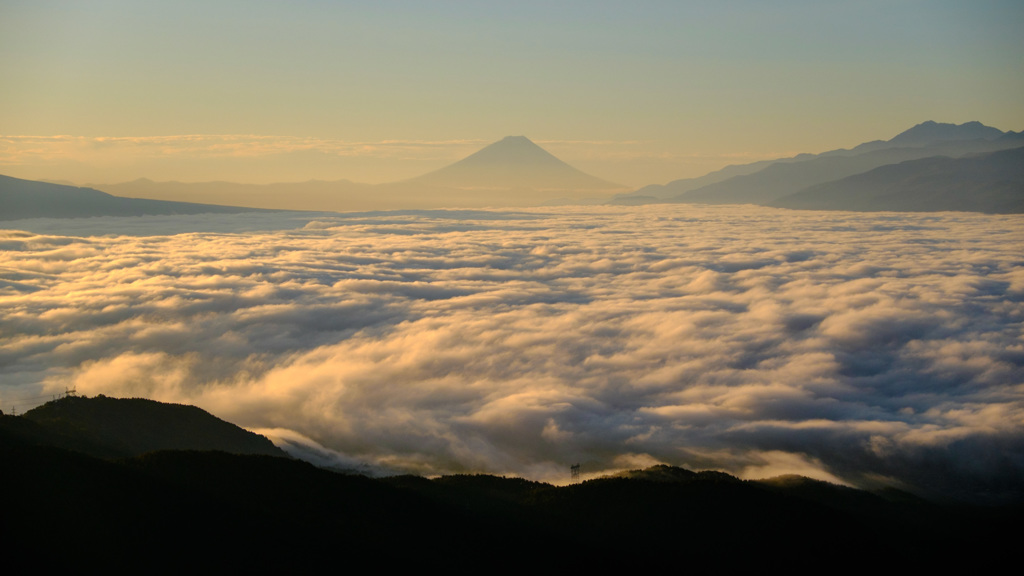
(211, 510)
(117, 427)
(30, 199)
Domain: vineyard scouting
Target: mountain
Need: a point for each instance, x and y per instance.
(785, 178)
(338, 195)
(511, 172)
(930, 132)
(991, 182)
(516, 163)
(676, 187)
(30, 199)
(116, 427)
(182, 509)
(763, 182)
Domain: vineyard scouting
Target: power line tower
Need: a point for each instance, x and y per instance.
(574, 472)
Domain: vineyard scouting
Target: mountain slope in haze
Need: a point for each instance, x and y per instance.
(30, 199)
(338, 195)
(931, 132)
(511, 172)
(785, 178)
(661, 192)
(117, 427)
(992, 182)
(514, 162)
(764, 181)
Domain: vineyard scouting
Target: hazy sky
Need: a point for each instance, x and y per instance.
(638, 92)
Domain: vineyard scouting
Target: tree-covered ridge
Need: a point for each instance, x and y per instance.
(209, 509)
(117, 427)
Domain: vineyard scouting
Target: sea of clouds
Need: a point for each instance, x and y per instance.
(858, 348)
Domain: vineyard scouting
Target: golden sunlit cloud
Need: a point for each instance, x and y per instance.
(843, 346)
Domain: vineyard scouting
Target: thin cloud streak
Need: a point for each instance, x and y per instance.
(862, 348)
(254, 158)
(17, 147)
(246, 158)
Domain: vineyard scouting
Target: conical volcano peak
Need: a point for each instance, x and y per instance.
(513, 150)
(515, 162)
(517, 142)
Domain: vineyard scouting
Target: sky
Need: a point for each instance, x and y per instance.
(865, 349)
(635, 92)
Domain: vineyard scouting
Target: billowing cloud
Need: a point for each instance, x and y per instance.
(861, 348)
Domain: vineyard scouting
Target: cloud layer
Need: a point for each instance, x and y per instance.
(862, 348)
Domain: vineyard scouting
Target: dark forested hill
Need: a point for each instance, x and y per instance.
(114, 427)
(211, 510)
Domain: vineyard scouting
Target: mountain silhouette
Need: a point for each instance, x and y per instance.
(514, 162)
(513, 171)
(116, 427)
(313, 195)
(766, 181)
(992, 182)
(31, 199)
(931, 132)
(182, 508)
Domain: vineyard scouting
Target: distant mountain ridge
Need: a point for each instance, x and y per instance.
(931, 132)
(315, 195)
(32, 199)
(511, 172)
(991, 182)
(515, 172)
(766, 183)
